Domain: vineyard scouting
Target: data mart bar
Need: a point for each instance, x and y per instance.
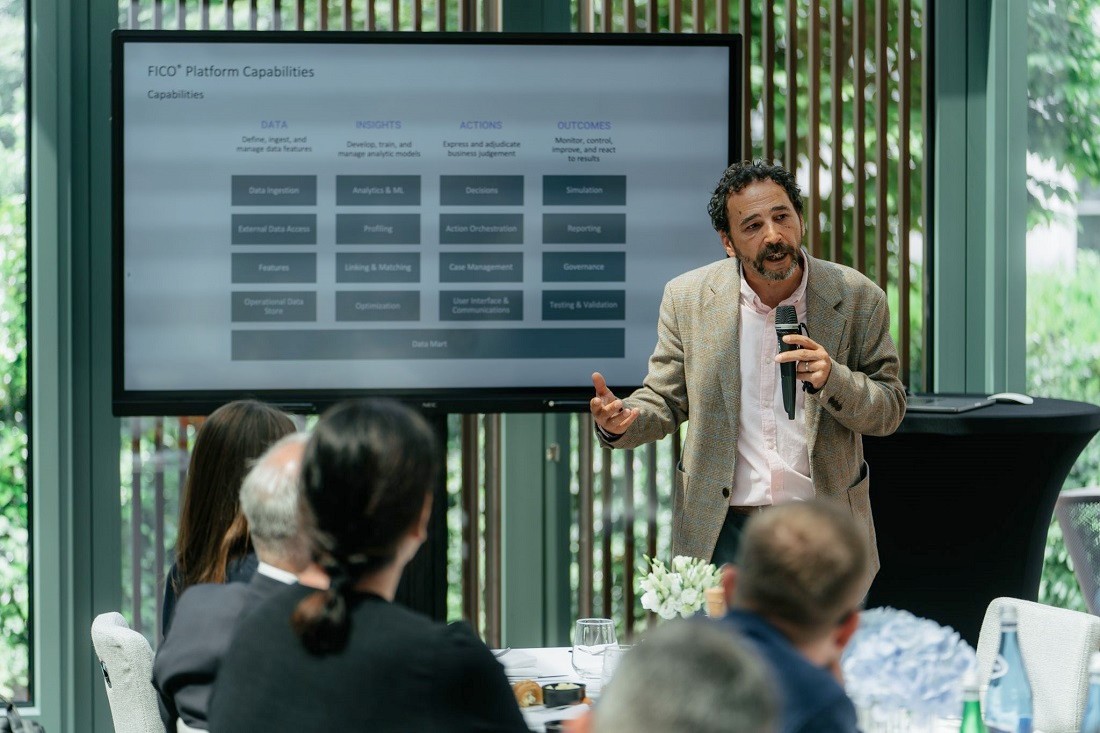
(428, 343)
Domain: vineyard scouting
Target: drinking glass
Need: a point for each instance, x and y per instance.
(611, 658)
(591, 639)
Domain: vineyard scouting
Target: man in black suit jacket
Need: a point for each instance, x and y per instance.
(188, 659)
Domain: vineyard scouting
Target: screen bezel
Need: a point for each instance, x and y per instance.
(128, 402)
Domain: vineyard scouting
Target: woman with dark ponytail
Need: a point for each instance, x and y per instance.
(348, 658)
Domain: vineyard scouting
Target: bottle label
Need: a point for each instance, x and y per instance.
(1000, 668)
(1023, 725)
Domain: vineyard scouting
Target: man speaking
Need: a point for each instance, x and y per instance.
(718, 361)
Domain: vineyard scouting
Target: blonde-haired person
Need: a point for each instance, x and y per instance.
(794, 595)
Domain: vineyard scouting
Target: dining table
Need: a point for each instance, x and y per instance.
(545, 666)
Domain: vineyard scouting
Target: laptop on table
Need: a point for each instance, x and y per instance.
(946, 403)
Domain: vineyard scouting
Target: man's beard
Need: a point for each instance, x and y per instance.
(778, 248)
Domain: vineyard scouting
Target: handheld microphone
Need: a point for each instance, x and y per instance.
(786, 324)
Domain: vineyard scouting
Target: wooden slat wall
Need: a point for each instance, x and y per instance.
(609, 547)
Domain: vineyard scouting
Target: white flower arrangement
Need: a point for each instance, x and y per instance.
(898, 661)
(677, 590)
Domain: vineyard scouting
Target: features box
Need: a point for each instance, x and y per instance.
(274, 268)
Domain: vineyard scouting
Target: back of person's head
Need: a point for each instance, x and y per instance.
(802, 565)
(737, 177)
(687, 676)
(367, 477)
(270, 501)
(212, 529)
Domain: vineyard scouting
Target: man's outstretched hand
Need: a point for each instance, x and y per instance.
(608, 410)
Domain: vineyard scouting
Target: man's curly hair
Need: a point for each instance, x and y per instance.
(739, 175)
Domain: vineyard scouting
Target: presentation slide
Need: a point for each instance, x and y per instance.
(408, 216)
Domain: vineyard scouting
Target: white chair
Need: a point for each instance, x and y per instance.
(127, 662)
(1056, 644)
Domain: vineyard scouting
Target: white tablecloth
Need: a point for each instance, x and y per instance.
(552, 664)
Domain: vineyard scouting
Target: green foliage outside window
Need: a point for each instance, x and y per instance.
(14, 510)
(1063, 360)
(1063, 308)
(14, 536)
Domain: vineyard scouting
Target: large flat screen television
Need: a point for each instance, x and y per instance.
(467, 222)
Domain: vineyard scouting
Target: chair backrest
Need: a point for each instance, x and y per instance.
(1078, 512)
(127, 662)
(1056, 644)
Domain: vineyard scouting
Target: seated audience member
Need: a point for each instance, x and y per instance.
(686, 676)
(188, 658)
(349, 658)
(795, 595)
(212, 544)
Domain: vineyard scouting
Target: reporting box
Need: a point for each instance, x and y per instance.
(481, 305)
(584, 190)
(377, 190)
(485, 267)
(273, 306)
(481, 190)
(583, 305)
(377, 305)
(274, 229)
(583, 267)
(378, 228)
(481, 228)
(584, 228)
(274, 190)
(377, 267)
(272, 267)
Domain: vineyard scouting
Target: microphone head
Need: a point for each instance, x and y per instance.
(786, 317)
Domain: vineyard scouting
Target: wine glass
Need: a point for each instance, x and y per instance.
(591, 639)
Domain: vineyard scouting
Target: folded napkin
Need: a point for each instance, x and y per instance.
(519, 664)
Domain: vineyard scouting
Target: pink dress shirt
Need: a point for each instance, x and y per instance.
(773, 461)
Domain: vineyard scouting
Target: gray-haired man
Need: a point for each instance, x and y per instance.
(686, 676)
(188, 658)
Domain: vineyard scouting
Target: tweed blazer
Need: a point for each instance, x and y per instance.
(695, 372)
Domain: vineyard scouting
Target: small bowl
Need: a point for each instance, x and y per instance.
(553, 695)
